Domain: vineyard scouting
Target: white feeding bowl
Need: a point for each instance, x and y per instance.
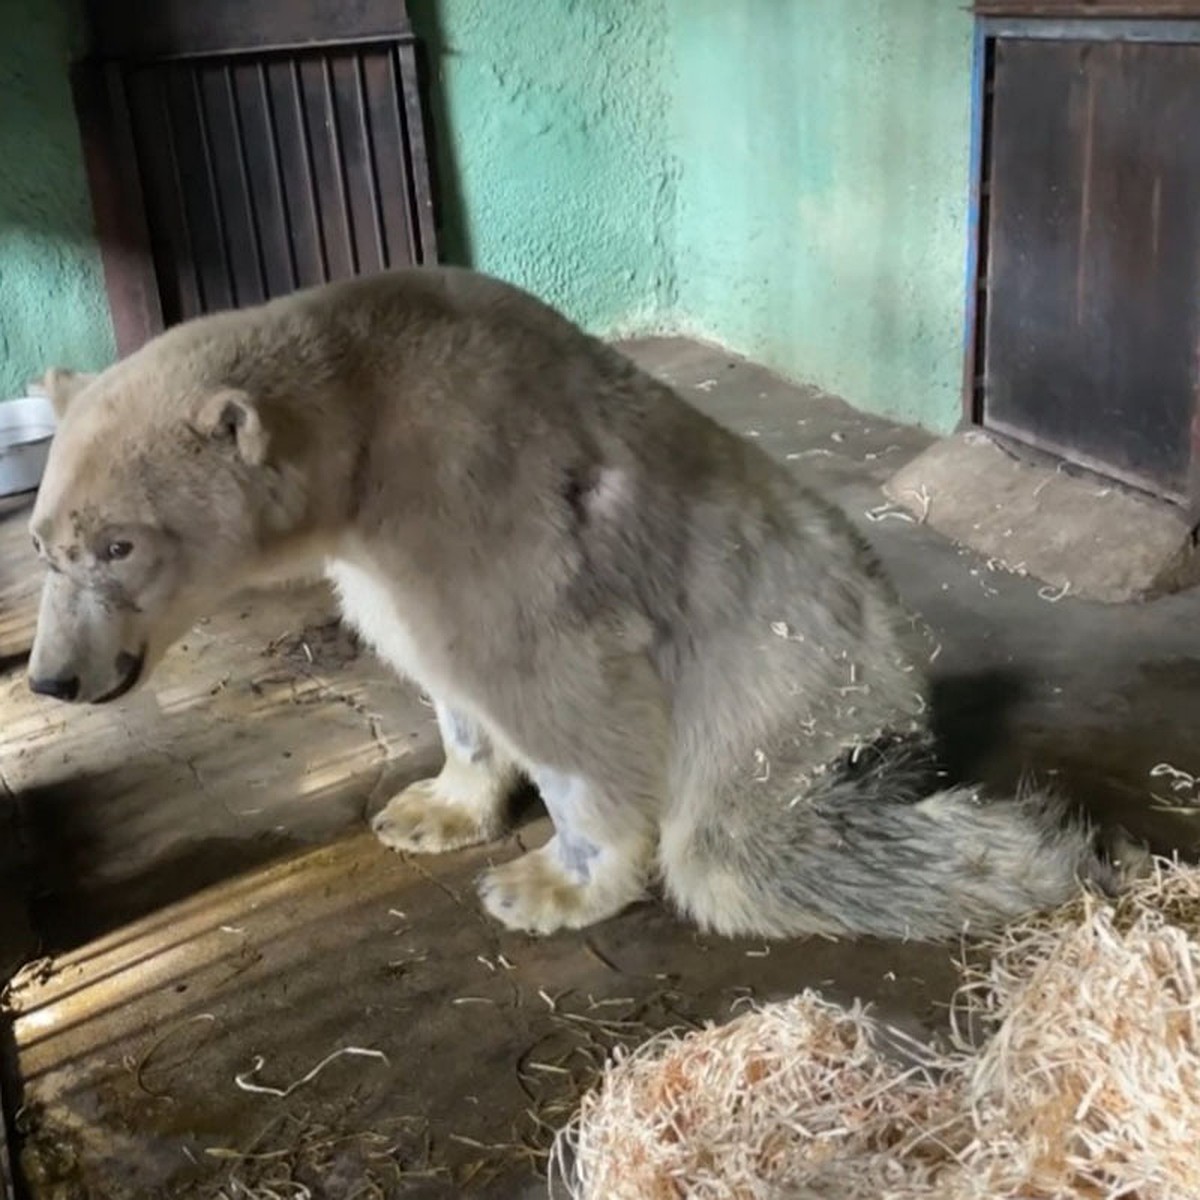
(26, 427)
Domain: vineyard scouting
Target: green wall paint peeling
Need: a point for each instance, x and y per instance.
(553, 151)
(53, 308)
(822, 204)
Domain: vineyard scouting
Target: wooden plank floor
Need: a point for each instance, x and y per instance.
(202, 893)
(265, 731)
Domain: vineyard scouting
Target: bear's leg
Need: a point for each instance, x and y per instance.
(465, 804)
(605, 795)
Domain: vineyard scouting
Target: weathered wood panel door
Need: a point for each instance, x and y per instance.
(1089, 323)
(240, 150)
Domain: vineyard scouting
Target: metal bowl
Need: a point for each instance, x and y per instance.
(26, 427)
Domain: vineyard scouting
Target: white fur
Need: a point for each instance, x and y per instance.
(598, 585)
(368, 605)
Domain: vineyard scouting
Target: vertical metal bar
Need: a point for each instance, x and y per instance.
(185, 229)
(418, 156)
(213, 189)
(364, 116)
(277, 167)
(306, 148)
(252, 217)
(339, 163)
(395, 69)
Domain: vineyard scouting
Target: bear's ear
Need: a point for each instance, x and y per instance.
(232, 417)
(61, 386)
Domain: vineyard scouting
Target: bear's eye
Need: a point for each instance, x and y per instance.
(115, 551)
(37, 544)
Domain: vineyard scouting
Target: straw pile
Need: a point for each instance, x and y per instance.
(1081, 1080)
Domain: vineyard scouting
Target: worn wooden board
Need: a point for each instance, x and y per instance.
(479, 1039)
(20, 582)
(264, 731)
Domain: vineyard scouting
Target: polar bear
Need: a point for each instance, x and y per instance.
(695, 659)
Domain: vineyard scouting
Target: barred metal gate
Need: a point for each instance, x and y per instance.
(239, 151)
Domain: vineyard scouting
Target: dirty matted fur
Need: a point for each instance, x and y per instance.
(694, 657)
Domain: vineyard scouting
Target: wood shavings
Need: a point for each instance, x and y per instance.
(602, 959)
(140, 1068)
(245, 1079)
(1058, 470)
(998, 564)
(663, 1122)
(781, 629)
(296, 1158)
(1181, 781)
(1053, 595)
(889, 512)
(1080, 1078)
(923, 498)
(764, 766)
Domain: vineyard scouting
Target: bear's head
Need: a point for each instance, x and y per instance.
(159, 498)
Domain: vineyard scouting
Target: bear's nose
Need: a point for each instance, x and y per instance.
(60, 689)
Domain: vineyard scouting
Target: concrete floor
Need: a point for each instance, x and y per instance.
(187, 878)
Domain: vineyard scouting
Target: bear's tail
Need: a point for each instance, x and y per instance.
(876, 846)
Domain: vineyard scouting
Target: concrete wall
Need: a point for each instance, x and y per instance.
(822, 200)
(787, 177)
(553, 157)
(52, 304)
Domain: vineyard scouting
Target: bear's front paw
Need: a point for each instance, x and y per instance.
(424, 821)
(539, 893)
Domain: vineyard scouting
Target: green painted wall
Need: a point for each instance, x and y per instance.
(52, 303)
(786, 177)
(553, 159)
(821, 222)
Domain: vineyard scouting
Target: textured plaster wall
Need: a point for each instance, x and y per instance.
(52, 303)
(822, 200)
(787, 177)
(553, 154)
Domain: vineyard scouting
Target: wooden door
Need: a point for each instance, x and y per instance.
(1090, 328)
